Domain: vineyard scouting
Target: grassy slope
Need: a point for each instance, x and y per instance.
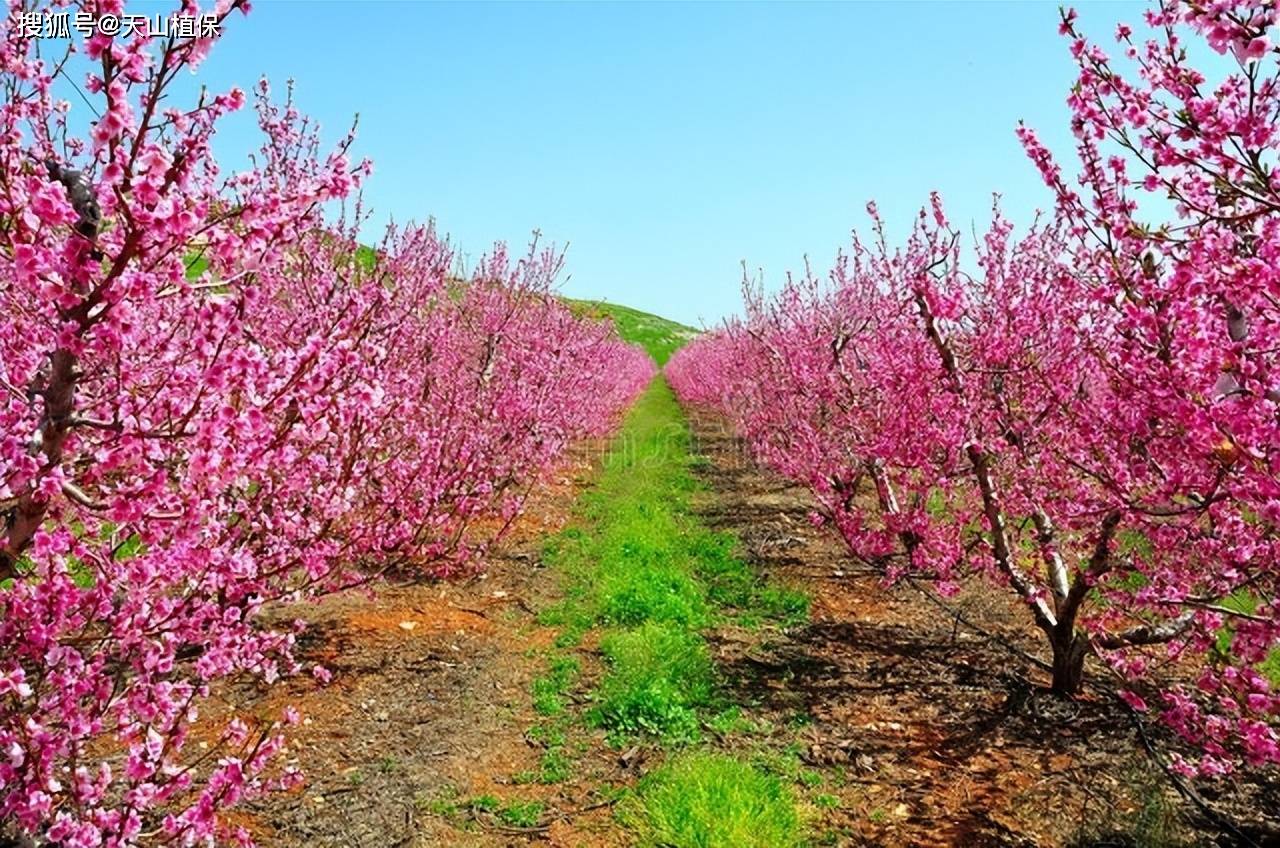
(659, 336)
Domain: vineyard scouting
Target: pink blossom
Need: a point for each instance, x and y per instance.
(1085, 411)
(181, 451)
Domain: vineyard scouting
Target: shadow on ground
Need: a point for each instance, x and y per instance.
(935, 734)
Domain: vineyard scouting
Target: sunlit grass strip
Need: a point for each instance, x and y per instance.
(702, 800)
(646, 578)
(648, 570)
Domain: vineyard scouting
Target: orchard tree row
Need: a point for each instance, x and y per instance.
(1086, 414)
(213, 399)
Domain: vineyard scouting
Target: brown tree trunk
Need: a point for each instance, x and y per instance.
(59, 404)
(1069, 650)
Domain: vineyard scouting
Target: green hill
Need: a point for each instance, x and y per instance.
(658, 336)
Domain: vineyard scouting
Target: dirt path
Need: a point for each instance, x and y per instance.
(428, 703)
(932, 735)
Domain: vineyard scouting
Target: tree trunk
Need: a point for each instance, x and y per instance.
(1069, 650)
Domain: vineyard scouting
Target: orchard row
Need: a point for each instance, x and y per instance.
(1085, 415)
(213, 399)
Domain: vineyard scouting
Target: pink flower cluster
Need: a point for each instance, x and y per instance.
(1087, 415)
(212, 399)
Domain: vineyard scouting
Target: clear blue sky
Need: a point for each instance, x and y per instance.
(667, 143)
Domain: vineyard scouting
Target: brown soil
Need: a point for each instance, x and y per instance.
(428, 707)
(932, 732)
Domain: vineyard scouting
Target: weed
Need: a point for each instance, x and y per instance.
(702, 800)
(521, 813)
(548, 691)
(659, 674)
(826, 802)
(728, 721)
(442, 807)
(524, 777)
(555, 767)
(484, 803)
(809, 778)
(547, 735)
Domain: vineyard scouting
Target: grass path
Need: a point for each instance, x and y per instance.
(647, 584)
(633, 733)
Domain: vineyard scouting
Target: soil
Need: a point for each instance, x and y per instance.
(934, 731)
(428, 707)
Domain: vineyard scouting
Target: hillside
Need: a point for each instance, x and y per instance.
(659, 336)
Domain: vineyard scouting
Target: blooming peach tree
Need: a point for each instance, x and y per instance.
(213, 399)
(1086, 415)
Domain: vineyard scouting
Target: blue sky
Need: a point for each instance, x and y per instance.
(667, 143)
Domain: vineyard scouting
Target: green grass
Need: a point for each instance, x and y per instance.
(655, 592)
(556, 763)
(648, 578)
(659, 675)
(702, 800)
(549, 690)
(522, 814)
(645, 568)
(658, 336)
(732, 584)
